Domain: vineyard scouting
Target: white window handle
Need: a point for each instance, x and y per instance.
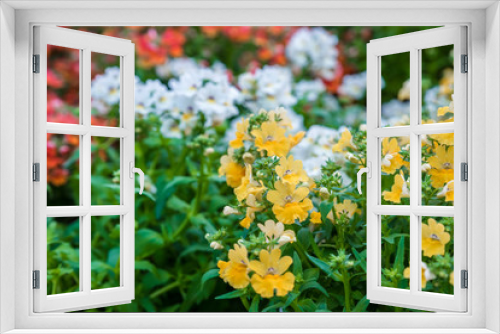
(368, 171)
(141, 176)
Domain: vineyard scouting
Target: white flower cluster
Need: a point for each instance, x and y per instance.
(309, 90)
(353, 86)
(396, 113)
(267, 88)
(316, 148)
(314, 49)
(105, 90)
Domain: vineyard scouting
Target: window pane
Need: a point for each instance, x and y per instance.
(105, 236)
(395, 232)
(63, 84)
(395, 170)
(63, 169)
(105, 90)
(437, 84)
(438, 169)
(63, 255)
(437, 254)
(395, 95)
(105, 189)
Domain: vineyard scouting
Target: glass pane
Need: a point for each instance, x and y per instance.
(63, 84)
(105, 189)
(105, 90)
(395, 232)
(437, 84)
(63, 255)
(395, 170)
(438, 169)
(437, 254)
(395, 89)
(105, 267)
(63, 169)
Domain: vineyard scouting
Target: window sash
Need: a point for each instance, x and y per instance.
(413, 298)
(86, 43)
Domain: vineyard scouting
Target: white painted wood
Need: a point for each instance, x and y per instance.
(471, 322)
(86, 297)
(413, 43)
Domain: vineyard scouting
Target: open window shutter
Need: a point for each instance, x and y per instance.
(386, 274)
(89, 276)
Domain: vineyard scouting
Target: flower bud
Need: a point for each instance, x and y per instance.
(216, 245)
(208, 151)
(323, 192)
(229, 211)
(426, 167)
(248, 158)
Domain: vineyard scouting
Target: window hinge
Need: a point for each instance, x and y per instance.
(465, 64)
(36, 63)
(464, 171)
(36, 279)
(36, 172)
(465, 279)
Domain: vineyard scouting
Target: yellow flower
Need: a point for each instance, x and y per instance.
(434, 238)
(398, 190)
(271, 138)
(452, 278)
(446, 82)
(345, 141)
(233, 171)
(391, 159)
(291, 171)
(276, 232)
(280, 113)
(448, 192)
(270, 277)
(315, 217)
(241, 134)
(249, 186)
(252, 208)
(347, 208)
(442, 166)
(235, 271)
(445, 138)
(289, 203)
(295, 139)
(404, 92)
(427, 275)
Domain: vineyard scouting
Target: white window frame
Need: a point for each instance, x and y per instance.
(413, 43)
(484, 103)
(86, 44)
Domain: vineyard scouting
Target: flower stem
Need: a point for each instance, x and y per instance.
(164, 289)
(347, 289)
(245, 303)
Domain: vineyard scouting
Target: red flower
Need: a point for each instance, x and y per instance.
(174, 41)
(149, 49)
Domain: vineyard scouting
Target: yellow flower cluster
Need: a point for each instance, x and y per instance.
(284, 194)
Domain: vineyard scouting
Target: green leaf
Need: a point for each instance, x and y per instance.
(313, 285)
(232, 294)
(297, 264)
(400, 256)
(177, 204)
(273, 307)
(362, 305)
(390, 239)
(147, 242)
(307, 305)
(361, 259)
(311, 274)
(324, 208)
(321, 265)
(145, 266)
(254, 307)
(168, 191)
(303, 237)
(212, 273)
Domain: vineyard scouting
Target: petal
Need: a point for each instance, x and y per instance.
(284, 263)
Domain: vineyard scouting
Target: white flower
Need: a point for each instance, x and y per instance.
(176, 67)
(188, 84)
(229, 211)
(105, 89)
(170, 128)
(353, 85)
(215, 245)
(433, 101)
(309, 90)
(314, 48)
(395, 113)
(267, 88)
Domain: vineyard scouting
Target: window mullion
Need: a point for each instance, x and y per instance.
(86, 167)
(414, 171)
